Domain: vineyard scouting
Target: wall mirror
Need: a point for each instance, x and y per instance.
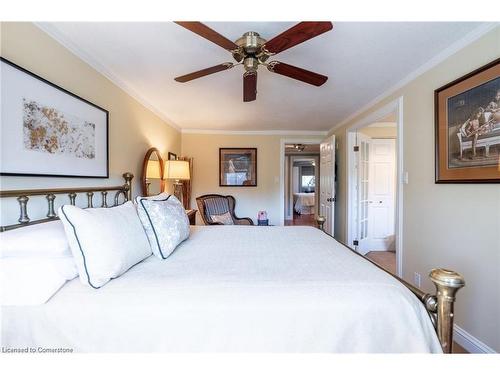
(152, 173)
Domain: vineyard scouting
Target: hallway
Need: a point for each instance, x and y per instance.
(304, 219)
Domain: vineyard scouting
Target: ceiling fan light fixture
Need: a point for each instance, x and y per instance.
(251, 64)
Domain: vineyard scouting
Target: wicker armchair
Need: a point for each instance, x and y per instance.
(215, 204)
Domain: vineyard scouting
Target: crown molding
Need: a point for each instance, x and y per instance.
(255, 132)
(434, 61)
(92, 62)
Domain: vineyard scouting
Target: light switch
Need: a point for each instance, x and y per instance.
(405, 178)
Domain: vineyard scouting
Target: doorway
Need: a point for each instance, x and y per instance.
(301, 183)
(374, 156)
(284, 171)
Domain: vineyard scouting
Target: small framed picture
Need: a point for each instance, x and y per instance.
(172, 156)
(49, 131)
(467, 121)
(237, 167)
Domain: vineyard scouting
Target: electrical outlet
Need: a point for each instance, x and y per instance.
(417, 279)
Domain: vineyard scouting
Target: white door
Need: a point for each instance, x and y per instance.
(327, 183)
(381, 193)
(361, 208)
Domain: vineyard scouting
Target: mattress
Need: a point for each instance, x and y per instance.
(234, 289)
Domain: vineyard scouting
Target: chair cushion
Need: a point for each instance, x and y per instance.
(224, 219)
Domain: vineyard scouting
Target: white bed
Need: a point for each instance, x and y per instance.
(234, 289)
(304, 203)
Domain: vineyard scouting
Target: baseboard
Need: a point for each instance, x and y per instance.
(469, 342)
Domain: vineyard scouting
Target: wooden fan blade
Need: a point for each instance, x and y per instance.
(207, 33)
(297, 34)
(249, 86)
(204, 72)
(297, 73)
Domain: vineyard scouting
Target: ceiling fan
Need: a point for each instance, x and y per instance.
(251, 51)
(297, 147)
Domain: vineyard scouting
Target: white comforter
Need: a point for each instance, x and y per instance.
(234, 289)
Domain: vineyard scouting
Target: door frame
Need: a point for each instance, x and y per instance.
(283, 142)
(396, 107)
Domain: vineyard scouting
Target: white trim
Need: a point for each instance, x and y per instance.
(92, 62)
(254, 132)
(469, 342)
(284, 141)
(397, 107)
(440, 57)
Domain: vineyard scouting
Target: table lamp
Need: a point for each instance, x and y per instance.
(177, 170)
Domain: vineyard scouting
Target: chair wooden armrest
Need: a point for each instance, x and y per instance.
(242, 221)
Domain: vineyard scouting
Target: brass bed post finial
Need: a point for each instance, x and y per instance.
(447, 284)
(321, 222)
(128, 185)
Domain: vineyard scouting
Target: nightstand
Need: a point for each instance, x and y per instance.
(192, 216)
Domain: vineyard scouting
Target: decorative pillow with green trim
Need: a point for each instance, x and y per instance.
(105, 242)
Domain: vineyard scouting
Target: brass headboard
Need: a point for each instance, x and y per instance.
(22, 196)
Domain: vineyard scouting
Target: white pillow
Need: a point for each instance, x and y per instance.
(46, 239)
(165, 221)
(105, 242)
(33, 280)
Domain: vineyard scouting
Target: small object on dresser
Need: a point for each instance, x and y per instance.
(262, 218)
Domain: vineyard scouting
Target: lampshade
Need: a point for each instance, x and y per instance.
(153, 169)
(177, 170)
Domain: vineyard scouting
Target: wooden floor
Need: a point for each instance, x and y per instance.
(387, 260)
(307, 220)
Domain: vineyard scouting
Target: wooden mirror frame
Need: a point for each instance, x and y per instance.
(152, 150)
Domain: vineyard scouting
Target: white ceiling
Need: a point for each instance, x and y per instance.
(362, 60)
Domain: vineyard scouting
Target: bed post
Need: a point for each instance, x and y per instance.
(447, 285)
(127, 176)
(321, 222)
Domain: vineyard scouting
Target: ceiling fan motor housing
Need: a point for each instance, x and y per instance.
(250, 47)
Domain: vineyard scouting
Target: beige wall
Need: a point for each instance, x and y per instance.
(383, 132)
(204, 148)
(445, 225)
(132, 127)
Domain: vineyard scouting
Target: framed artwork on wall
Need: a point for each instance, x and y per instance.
(467, 121)
(49, 131)
(172, 156)
(237, 167)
